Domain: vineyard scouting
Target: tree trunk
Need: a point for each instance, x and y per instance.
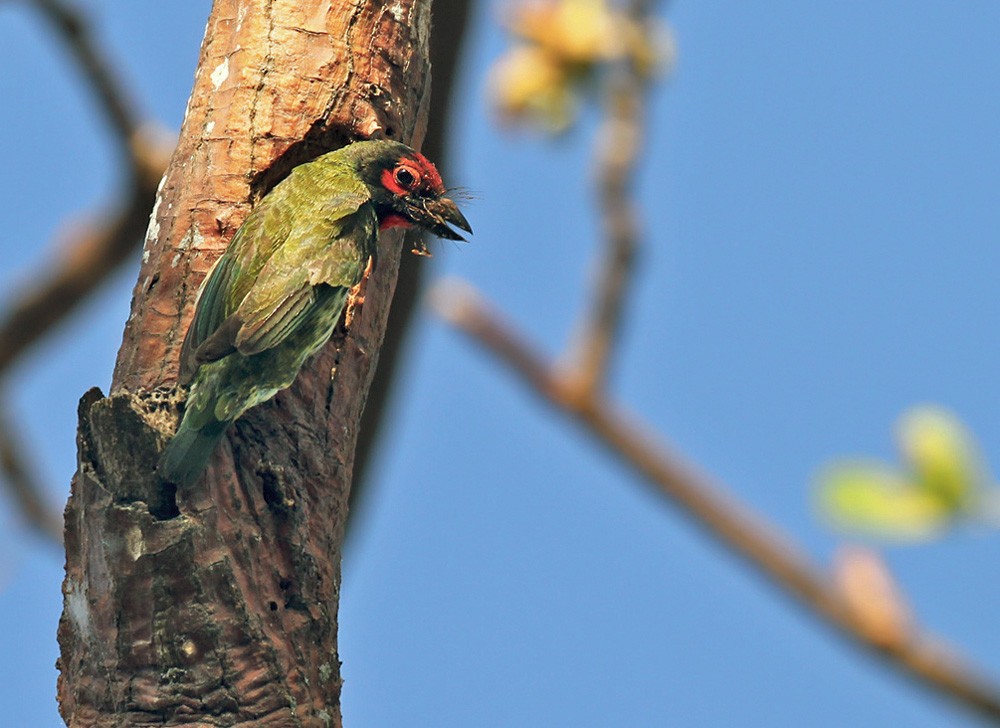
(217, 604)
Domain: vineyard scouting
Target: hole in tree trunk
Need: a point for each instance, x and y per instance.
(163, 503)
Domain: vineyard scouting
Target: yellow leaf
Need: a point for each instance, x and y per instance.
(941, 455)
(528, 85)
(871, 498)
(581, 32)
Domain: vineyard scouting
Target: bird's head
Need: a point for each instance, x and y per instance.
(407, 189)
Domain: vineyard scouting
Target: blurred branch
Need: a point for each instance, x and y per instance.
(23, 486)
(93, 250)
(922, 656)
(111, 97)
(619, 142)
(451, 19)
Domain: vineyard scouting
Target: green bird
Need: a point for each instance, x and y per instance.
(276, 294)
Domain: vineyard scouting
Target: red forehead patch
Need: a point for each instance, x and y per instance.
(428, 172)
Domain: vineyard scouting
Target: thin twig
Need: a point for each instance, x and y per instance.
(90, 256)
(97, 70)
(23, 484)
(618, 147)
(922, 656)
(96, 250)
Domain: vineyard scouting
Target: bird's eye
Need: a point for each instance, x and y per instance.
(405, 178)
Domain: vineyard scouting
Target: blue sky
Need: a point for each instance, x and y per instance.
(819, 196)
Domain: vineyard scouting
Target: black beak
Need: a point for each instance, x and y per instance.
(435, 215)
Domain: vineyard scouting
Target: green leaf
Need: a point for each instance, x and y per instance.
(874, 499)
(941, 455)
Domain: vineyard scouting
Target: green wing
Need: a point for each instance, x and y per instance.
(298, 237)
(286, 284)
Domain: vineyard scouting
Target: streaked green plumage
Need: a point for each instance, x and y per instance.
(276, 294)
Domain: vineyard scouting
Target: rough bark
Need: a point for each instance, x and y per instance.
(217, 604)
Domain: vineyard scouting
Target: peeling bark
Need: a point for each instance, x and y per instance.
(217, 604)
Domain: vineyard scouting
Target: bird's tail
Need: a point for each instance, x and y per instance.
(187, 454)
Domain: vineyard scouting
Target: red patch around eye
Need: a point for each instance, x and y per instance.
(391, 221)
(390, 183)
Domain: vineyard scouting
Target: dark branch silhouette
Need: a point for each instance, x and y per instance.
(93, 250)
(20, 478)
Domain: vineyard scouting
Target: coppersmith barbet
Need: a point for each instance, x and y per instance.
(277, 293)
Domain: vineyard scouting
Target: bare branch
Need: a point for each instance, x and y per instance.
(23, 485)
(97, 70)
(921, 655)
(97, 249)
(92, 254)
(618, 146)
